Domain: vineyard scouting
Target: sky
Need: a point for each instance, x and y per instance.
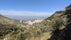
(32, 7)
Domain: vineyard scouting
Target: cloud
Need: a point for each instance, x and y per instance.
(24, 13)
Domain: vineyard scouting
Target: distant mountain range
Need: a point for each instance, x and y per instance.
(26, 18)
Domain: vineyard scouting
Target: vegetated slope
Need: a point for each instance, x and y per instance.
(7, 26)
(65, 33)
(54, 24)
(57, 20)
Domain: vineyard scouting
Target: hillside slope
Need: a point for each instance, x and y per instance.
(7, 26)
(58, 24)
(65, 33)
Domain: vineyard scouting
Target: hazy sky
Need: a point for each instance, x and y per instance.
(32, 7)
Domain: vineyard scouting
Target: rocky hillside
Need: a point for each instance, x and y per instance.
(59, 25)
(65, 33)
